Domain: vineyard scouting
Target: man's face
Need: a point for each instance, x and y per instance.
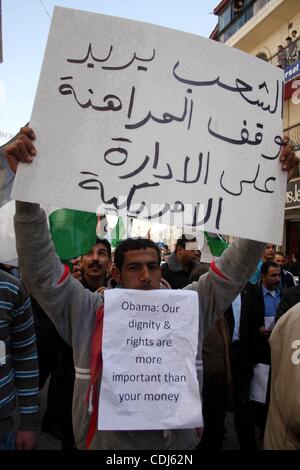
(279, 259)
(96, 263)
(186, 257)
(271, 280)
(140, 270)
(269, 252)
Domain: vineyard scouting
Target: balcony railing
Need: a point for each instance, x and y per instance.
(288, 59)
(294, 134)
(247, 12)
(288, 55)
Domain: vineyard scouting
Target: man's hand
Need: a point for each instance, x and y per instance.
(26, 440)
(21, 150)
(265, 332)
(101, 290)
(288, 159)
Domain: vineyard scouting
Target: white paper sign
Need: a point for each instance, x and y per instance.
(159, 124)
(259, 383)
(149, 376)
(269, 323)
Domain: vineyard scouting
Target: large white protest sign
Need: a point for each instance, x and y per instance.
(149, 349)
(158, 123)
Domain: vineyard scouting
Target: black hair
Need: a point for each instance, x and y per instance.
(105, 243)
(266, 266)
(131, 244)
(183, 240)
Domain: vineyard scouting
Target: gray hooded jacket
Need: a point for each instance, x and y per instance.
(72, 308)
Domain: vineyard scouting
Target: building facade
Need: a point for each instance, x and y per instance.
(262, 28)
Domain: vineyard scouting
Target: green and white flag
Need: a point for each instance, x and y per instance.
(118, 233)
(216, 243)
(73, 232)
(102, 227)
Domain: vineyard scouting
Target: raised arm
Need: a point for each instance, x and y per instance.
(228, 275)
(63, 298)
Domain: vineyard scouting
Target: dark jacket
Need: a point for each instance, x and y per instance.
(252, 316)
(175, 274)
(262, 351)
(289, 298)
(294, 268)
(286, 279)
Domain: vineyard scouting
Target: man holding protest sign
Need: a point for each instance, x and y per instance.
(78, 313)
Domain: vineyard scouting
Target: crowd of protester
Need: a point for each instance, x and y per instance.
(232, 348)
(55, 333)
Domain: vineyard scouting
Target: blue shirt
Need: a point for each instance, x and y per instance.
(271, 301)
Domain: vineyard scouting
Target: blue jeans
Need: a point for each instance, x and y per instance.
(8, 441)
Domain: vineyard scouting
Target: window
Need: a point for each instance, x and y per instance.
(225, 18)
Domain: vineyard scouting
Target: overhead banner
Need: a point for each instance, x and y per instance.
(158, 124)
(149, 349)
